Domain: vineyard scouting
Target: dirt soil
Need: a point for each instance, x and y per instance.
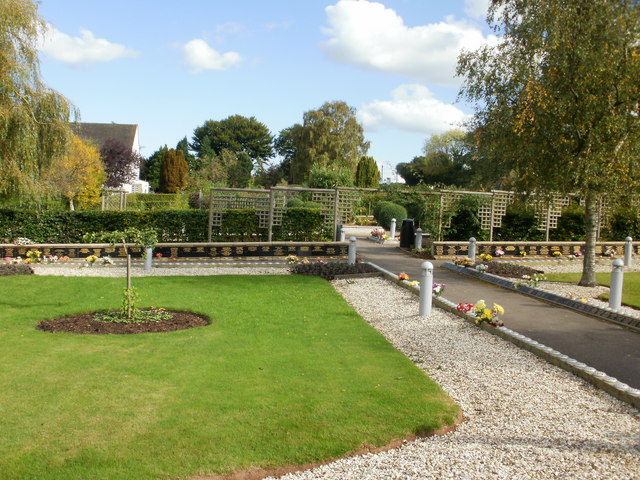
(84, 323)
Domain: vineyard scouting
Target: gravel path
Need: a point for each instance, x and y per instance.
(524, 418)
(116, 271)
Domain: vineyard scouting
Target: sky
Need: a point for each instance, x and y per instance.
(170, 66)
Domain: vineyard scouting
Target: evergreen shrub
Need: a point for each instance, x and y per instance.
(519, 224)
(571, 226)
(388, 211)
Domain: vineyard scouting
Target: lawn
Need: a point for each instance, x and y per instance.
(286, 373)
(630, 289)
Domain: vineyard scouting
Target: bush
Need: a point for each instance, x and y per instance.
(510, 270)
(329, 270)
(465, 222)
(388, 211)
(312, 205)
(302, 224)
(7, 269)
(294, 203)
(571, 225)
(519, 223)
(624, 222)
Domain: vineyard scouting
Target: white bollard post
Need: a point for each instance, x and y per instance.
(148, 258)
(352, 251)
(472, 249)
(628, 250)
(426, 289)
(418, 243)
(615, 289)
(392, 230)
(343, 235)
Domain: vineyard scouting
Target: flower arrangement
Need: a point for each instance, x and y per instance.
(577, 252)
(522, 253)
(414, 283)
(292, 259)
(499, 252)
(485, 257)
(610, 251)
(107, 260)
(482, 313)
(91, 259)
(463, 262)
(159, 256)
(33, 256)
(438, 289)
(377, 233)
(556, 254)
(403, 276)
(50, 259)
(532, 280)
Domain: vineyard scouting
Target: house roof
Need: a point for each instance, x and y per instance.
(99, 133)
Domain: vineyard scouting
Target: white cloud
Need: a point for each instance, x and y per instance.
(370, 35)
(412, 108)
(200, 56)
(82, 50)
(476, 8)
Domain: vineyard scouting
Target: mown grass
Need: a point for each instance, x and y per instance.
(287, 373)
(630, 289)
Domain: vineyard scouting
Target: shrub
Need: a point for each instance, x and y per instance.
(303, 224)
(312, 205)
(294, 203)
(571, 225)
(378, 206)
(465, 222)
(389, 211)
(7, 269)
(520, 223)
(624, 222)
(510, 270)
(329, 270)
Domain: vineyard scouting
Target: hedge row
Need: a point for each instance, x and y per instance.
(298, 224)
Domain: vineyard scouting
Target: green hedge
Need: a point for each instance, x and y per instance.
(298, 224)
(157, 201)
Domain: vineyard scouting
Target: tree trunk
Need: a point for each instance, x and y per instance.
(588, 278)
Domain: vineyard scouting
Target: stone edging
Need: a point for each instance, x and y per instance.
(601, 380)
(602, 313)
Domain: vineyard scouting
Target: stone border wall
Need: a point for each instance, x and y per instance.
(513, 249)
(185, 251)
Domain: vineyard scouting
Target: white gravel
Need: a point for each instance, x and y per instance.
(524, 419)
(76, 270)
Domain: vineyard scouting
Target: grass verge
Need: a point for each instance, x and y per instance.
(630, 289)
(287, 373)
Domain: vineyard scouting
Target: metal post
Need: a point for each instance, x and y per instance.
(418, 242)
(628, 251)
(392, 230)
(343, 234)
(148, 258)
(352, 251)
(615, 290)
(426, 289)
(472, 249)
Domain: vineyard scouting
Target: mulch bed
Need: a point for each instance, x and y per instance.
(84, 323)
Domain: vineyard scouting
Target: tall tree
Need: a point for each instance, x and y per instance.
(367, 173)
(173, 171)
(237, 134)
(34, 120)
(330, 136)
(79, 174)
(119, 162)
(557, 99)
(192, 161)
(150, 169)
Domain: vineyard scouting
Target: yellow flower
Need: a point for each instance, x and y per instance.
(498, 309)
(480, 305)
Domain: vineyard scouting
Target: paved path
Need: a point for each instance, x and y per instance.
(602, 345)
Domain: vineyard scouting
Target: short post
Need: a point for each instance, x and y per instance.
(472, 249)
(418, 243)
(352, 251)
(392, 230)
(426, 288)
(343, 234)
(628, 251)
(148, 258)
(615, 290)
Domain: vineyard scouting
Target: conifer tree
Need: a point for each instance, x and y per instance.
(367, 173)
(173, 171)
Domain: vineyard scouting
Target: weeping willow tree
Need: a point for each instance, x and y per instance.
(34, 119)
(558, 99)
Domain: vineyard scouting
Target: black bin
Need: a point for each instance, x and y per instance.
(407, 233)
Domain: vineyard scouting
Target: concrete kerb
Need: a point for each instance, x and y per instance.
(601, 380)
(601, 313)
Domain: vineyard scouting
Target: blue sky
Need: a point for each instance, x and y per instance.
(170, 66)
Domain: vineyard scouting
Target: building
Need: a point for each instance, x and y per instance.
(126, 134)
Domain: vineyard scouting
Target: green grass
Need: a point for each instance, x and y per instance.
(630, 289)
(287, 373)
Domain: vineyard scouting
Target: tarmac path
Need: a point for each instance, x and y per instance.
(602, 345)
